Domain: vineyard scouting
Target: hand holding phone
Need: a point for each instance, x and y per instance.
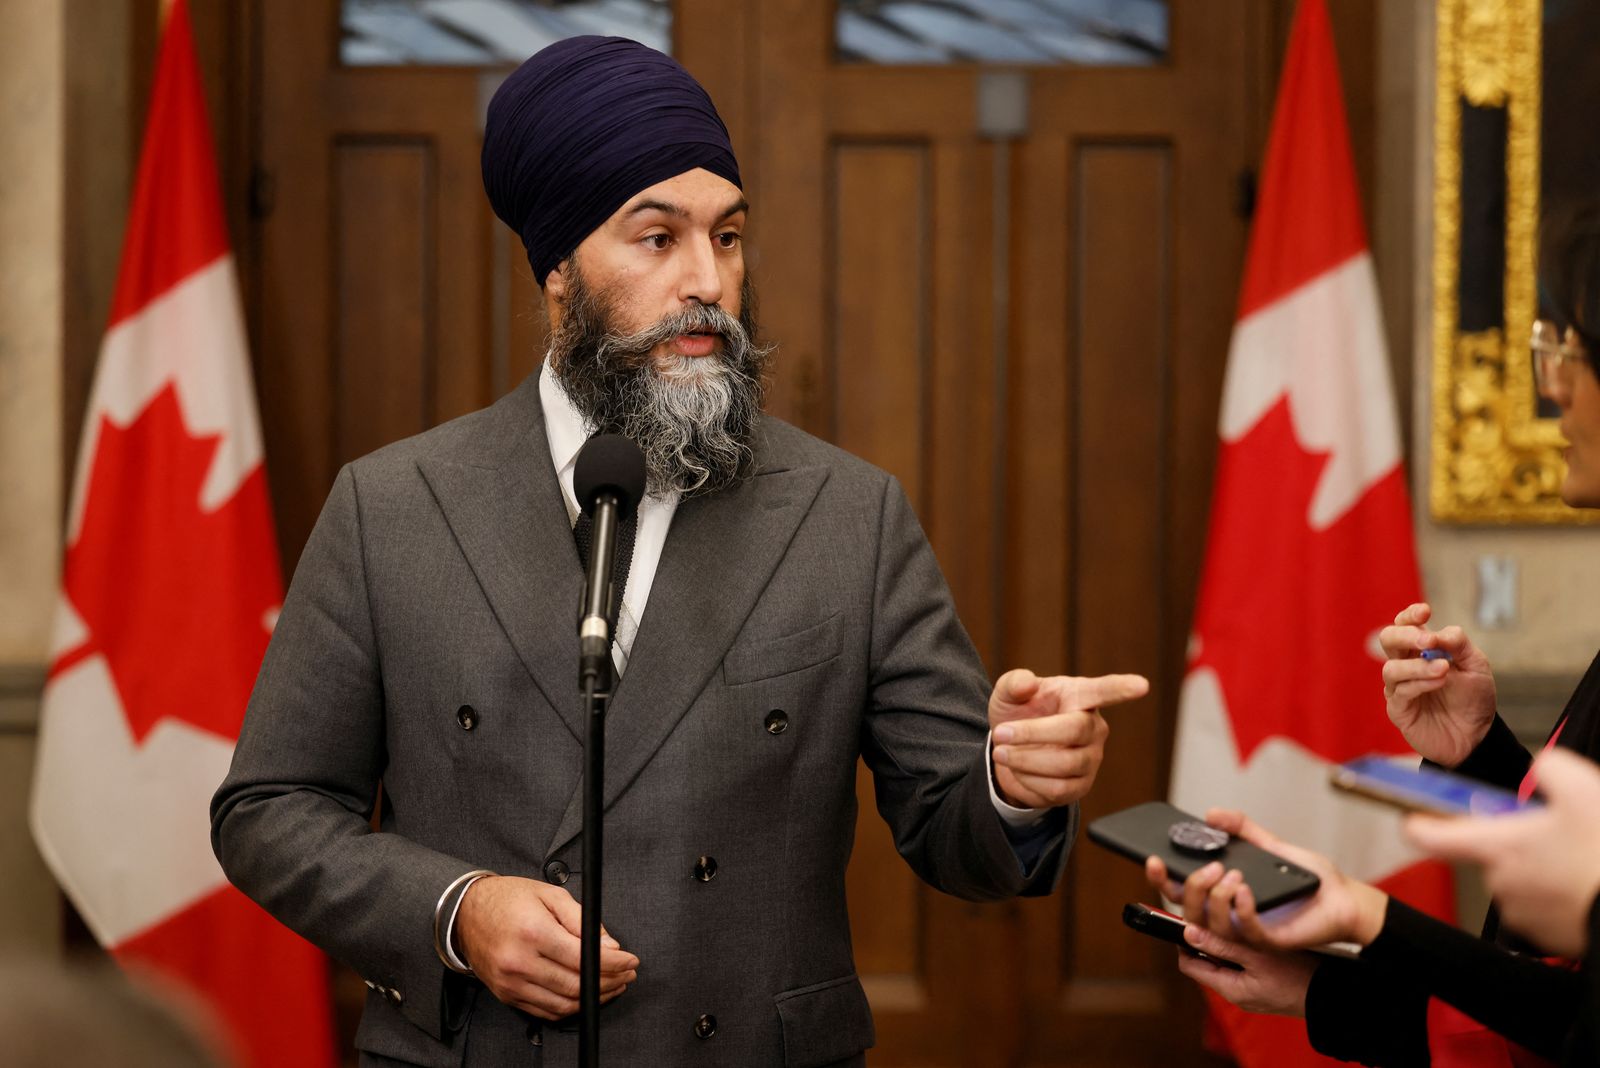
(1274, 983)
(1230, 891)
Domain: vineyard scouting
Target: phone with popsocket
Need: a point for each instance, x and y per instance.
(1186, 843)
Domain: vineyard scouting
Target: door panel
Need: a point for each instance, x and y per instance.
(383, 362)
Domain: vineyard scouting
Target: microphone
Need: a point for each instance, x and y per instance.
(609, 481)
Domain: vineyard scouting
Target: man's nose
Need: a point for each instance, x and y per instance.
(701, 281)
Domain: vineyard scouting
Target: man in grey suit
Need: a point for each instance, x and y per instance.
(796, 621)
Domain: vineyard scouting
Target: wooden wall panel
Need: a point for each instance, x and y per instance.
(1122, 300)
(880, 303)
(385, 341)
(960, 508)
(788, 237)
(880, 283)
(461, 292)
(1035, 580)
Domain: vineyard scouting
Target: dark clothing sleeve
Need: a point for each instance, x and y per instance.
(926, 708)
(1583, 1043)
(1361, 1013)
(1499, 760)
(1374, 1011)
(1532, 1003)
(291, 824)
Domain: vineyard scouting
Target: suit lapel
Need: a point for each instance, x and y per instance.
(506, 512)
(720, 553)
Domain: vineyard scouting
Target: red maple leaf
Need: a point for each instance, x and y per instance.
(1287, 614)
(178, 600)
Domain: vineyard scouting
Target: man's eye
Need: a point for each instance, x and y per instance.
(658, 241)
(728, 239)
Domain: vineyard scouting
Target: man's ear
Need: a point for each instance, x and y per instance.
(555, 283)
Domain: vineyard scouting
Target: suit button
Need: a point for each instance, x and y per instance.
(705, 1027)
(777, 721)
(395, 997)
(705, 869)
(556, 872)
(535, 1034)
(467, 716)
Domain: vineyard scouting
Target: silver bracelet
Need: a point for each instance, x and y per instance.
(462, 882)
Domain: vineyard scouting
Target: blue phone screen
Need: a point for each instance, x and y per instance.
(1439, 788)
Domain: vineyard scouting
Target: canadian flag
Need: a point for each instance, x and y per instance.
(169, 592)
(1310, 549)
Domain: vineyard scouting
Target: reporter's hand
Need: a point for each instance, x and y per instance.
(522, 939)
(1049, 736)
(1272, 982)
(1218, 899)
(1443, 707)
(1542, 865)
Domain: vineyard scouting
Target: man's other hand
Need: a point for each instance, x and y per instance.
(521, 937)
(1049, 736)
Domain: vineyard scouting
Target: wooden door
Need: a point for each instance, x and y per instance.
(1021, 311)
(1023, 318)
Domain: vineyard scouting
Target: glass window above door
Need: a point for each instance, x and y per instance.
(487, 33)
(1098, 33)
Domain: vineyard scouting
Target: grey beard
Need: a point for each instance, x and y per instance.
(692, 417)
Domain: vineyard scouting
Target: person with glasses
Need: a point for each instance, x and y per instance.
(1422, 992)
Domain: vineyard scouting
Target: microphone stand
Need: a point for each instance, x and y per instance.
(594, 681)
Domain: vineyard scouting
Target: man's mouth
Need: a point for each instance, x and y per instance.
(700, 343)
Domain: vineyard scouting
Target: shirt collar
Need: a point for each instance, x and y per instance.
(564, 427)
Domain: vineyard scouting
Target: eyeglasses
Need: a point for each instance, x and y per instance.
(1551, 350)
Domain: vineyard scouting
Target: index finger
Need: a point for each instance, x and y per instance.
(567, 950)
(1414, 615)
(1401, 643)
(1104, 690)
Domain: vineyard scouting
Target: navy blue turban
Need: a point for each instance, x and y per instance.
(582, 127)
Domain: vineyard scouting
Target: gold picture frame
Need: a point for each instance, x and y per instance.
(1495, 459)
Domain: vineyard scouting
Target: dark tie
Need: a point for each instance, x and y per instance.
(583, 534)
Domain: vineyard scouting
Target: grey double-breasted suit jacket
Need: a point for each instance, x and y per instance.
(797, 622)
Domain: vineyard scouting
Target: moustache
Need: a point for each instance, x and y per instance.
(695, 319)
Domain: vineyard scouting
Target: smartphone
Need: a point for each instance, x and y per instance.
(1422, 789)
(1169, 928)
(1150, 830)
